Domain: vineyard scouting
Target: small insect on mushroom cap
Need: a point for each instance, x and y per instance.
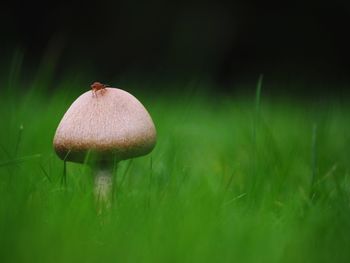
(96, 86)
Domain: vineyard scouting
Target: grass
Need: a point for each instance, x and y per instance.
(232, 179)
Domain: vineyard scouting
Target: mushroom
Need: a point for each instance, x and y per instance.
(102, 127)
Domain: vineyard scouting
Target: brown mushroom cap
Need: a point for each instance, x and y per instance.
(110, 125)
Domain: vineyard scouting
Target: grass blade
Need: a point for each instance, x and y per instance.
(313, 160)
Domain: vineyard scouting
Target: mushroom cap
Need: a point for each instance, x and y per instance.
(109, 125)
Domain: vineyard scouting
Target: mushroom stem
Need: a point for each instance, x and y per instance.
(103, 187)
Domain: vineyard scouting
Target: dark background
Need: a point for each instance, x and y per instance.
(300, 46)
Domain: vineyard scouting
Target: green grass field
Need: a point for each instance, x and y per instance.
(232, 179)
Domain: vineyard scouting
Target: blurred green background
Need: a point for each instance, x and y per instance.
(232, 178)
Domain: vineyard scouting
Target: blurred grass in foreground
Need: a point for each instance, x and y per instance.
(230, 180)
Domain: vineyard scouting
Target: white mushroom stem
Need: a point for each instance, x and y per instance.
(103, 187)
